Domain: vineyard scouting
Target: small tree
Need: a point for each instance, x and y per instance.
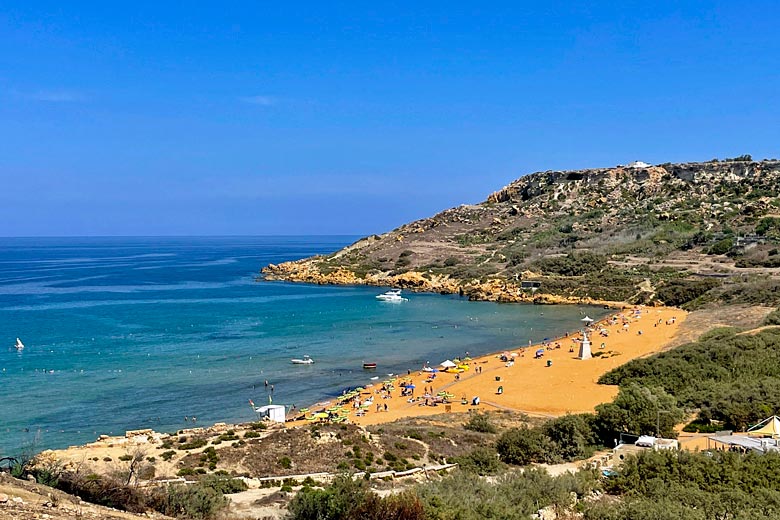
(525, 445)
(480, 422)
(639, 410)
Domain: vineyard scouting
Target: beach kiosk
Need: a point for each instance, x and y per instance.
(272, 412)
(585, 345)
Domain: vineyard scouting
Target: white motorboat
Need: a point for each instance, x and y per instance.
(305, 361)
(19, 345)
(393, 295)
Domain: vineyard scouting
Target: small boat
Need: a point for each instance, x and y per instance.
(19, 345)
(369, 366)
(393, 295)
(305, 361)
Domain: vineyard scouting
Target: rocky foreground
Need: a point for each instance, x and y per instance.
(25, 500)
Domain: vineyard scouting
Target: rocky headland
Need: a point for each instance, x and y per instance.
(663, 234)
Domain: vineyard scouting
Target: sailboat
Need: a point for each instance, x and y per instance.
(19, 345)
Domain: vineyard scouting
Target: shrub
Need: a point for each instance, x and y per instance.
(572, 435)
(573, 264)
(482, 461)
(193, 444)
(678, 292)
(721, 247)
(285, 462)
(523, 446)
(480, 422)
(332, 503)
(167, 455)
(196, 501)
(224, 485)
(773, 318)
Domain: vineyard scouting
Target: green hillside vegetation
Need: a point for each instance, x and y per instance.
(690, 234)
(731, 378)
(663, 485)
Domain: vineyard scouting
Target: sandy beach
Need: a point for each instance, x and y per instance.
(568, 385)
(528, 384)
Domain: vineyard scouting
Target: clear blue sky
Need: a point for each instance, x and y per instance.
(171, 118)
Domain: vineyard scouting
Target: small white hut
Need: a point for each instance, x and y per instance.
(272, 412)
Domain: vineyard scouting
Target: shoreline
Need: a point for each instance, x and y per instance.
(494, 290)
(529, 386)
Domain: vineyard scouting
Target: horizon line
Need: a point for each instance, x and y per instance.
(196, 236)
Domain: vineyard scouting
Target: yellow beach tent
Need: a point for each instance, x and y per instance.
(769, 427)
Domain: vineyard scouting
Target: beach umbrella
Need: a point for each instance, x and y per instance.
(409, 386)
(587, 320)
(320, 415)
(540, 351)
(448, 364)
(514, 354)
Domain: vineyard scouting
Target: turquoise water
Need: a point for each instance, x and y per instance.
(126, 333)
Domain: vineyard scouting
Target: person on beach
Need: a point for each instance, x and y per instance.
(385, 406)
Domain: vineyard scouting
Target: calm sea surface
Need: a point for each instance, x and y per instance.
(126, 333)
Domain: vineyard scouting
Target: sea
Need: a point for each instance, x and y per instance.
(169, 333)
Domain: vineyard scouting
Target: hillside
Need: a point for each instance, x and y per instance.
(670, 233)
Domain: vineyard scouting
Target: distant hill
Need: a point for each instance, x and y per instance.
(672, 233)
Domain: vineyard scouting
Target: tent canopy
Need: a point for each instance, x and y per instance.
(768, 427)
(448, 364)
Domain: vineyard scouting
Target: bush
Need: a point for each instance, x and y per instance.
(285, 462)
(678, 292)
(466, 496)
(224, 485)
(482, 461)
(638, 410)
(167, 455)
(347, 499)
(480, 422)
(773, 318)
(573, 264)
(524, 445)
(195, 501)
(332, 503)
(193, 444)
(721, 247)
(731, 378)
(572, 436)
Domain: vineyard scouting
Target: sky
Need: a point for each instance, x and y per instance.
(258, 118)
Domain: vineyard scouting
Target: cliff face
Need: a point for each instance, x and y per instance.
(600, 234)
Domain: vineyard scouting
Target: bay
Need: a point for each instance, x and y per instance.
(141, 332)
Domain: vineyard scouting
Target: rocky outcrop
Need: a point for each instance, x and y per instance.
(495, 290)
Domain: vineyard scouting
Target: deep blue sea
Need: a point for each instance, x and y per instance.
(127, 333)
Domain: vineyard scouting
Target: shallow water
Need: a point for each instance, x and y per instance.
(126, 333)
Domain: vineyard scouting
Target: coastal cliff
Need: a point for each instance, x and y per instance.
(669, 233)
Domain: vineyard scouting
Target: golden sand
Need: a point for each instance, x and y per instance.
(568, 385)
